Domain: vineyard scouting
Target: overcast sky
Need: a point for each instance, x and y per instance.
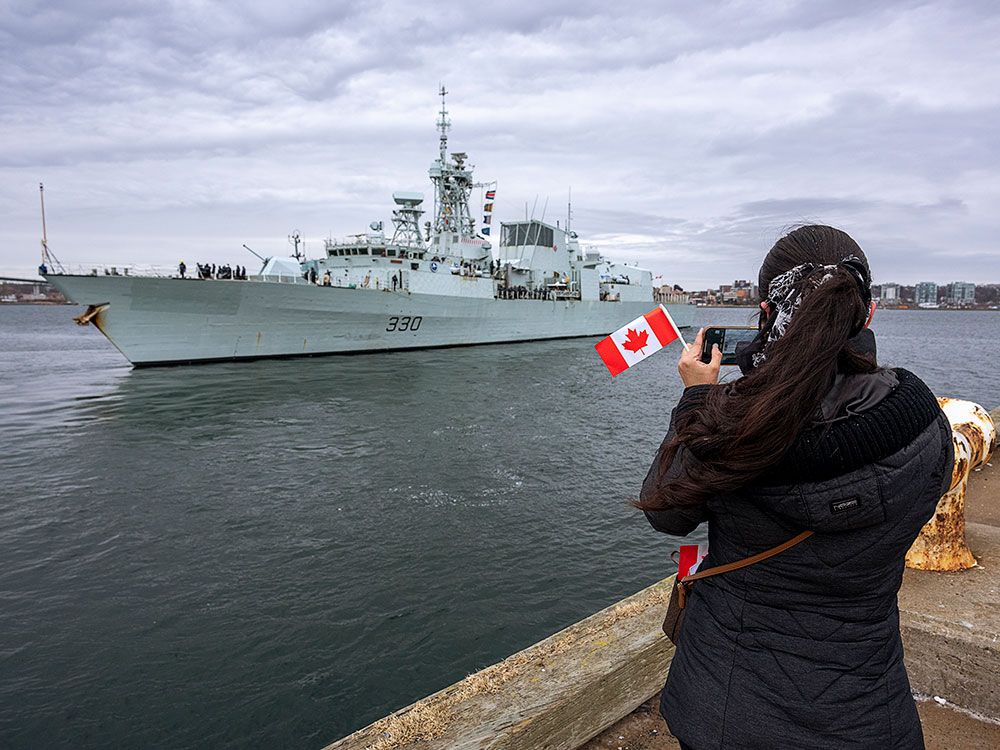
(692, 134)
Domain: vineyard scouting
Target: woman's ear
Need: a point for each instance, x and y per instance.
(765, 308)
(871, 313)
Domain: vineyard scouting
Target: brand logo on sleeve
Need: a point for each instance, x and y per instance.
(842, 506)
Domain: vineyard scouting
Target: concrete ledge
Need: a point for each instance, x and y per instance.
(556, 694)
(951, 628)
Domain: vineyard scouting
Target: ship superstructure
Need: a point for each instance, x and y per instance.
(436, 283)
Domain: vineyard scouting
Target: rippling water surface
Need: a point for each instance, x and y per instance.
(276, 553)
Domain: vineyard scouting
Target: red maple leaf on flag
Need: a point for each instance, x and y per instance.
(635, 340)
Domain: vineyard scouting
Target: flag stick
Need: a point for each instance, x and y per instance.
(676, 329)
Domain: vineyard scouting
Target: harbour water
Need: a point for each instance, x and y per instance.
(276, 553)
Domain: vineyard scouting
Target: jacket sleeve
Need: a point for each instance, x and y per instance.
(676, 521)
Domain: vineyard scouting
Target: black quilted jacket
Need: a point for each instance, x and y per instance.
(803, 650)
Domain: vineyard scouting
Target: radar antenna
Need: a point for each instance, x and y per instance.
(406, 219)
(295, 239)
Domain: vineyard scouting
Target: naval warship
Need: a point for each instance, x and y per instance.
(433, 285)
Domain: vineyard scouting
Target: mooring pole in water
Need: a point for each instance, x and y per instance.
(941, 543)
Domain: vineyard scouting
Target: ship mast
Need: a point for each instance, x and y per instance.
(443, 125)
(45, 238)
(452, 180)
(48, 259)
(569, 210)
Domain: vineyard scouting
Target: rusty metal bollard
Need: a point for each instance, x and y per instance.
(941, 543)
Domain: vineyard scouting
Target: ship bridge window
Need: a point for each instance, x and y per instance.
(527, 233)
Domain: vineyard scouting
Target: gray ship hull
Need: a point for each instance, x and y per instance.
(160, 321)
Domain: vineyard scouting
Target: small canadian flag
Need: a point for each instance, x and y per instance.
(690, 558)
(632, 343)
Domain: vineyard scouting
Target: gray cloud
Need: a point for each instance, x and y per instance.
(692, 136)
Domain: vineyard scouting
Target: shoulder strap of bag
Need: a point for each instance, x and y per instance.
(748, 560)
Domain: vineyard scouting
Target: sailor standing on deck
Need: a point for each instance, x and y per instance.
(182, 267)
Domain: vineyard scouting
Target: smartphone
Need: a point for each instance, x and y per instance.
(727, 337)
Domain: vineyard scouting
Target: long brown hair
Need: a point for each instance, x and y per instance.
(747, 426)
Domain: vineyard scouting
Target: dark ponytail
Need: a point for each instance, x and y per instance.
(745, 427)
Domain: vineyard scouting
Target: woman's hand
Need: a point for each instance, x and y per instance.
(695, 372)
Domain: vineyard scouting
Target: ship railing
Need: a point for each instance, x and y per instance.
(355, 240)
(163, 272)
(529, 293)
(119, 269)
(278, 278)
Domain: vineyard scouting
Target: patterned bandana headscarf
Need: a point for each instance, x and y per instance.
(785, 294)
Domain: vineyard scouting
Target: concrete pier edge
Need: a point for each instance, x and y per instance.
(565, 690)
(557, 693)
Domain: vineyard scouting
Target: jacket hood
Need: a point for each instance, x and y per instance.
(845, 472)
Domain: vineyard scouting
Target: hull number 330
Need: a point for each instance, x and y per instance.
(404, 323)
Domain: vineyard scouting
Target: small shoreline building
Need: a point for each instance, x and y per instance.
(926, 294)
(961, 294)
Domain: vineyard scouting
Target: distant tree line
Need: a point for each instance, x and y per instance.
(988, 294)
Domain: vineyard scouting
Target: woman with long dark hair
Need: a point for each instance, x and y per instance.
(801, 650)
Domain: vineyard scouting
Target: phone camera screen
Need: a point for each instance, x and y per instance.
(727, 339)
(729, 342)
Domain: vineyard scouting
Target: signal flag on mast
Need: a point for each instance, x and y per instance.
(488, 211)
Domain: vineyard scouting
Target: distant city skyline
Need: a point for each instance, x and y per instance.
(692, 136)
(954, 294)
(887, 282)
